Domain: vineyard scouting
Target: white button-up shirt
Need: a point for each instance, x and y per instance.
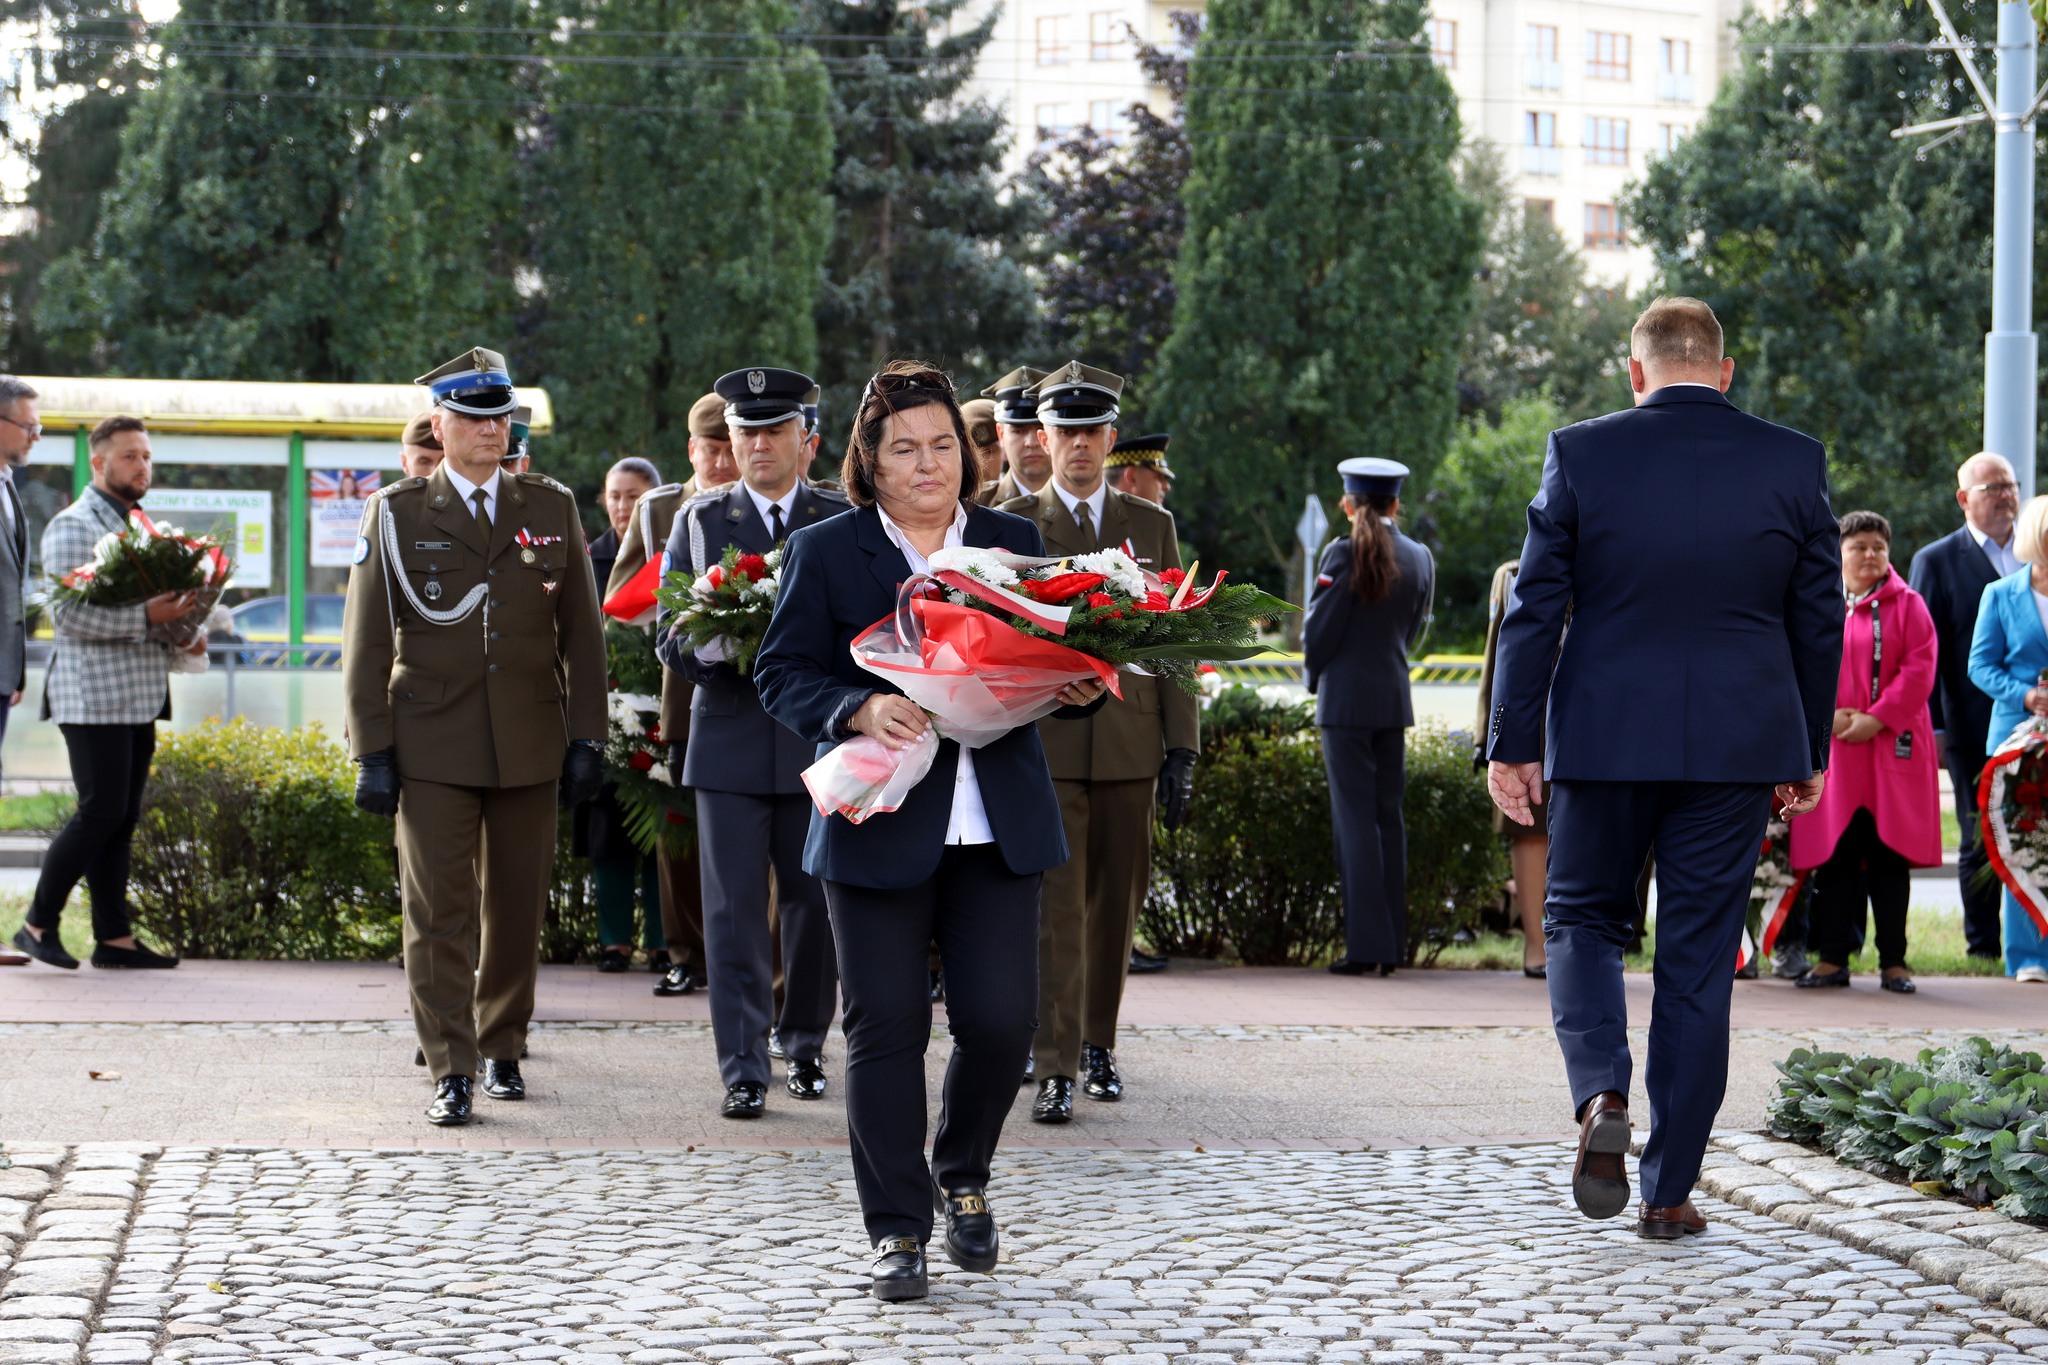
(968, 823)
(466, 491)
(2003, 560)
(762, 502)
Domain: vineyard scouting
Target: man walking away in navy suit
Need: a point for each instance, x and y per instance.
(1693, 547)
(1951, 575)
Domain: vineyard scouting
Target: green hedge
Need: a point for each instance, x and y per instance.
(1253, 874)
(1972, 1117)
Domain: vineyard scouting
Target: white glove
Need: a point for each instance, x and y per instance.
(715, 650)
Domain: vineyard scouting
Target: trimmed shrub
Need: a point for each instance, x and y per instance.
(1456, 863)
(251, 846)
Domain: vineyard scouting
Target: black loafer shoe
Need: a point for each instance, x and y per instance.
(138, 957)
(971, 1237)
(676, 981)
(1144, 964)
(1820, 980)
(745, 1101)
(898, 1272)
(806, 1079)
(775, 1048)
(44, 949)
(614, 960)
(502, 1080)
(1349, 968)
(1030, 1072)
(450, 1108)
(1098, 1066)
(1055, 1102)
(1902, 984)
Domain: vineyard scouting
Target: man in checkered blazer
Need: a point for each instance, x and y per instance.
(108, 686)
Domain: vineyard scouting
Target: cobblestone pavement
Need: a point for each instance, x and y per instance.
(654, 1084)
(1448, 1254)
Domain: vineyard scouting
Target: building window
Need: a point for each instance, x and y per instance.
(1054, 121)
(1674, 70)
(1109, 117)
(1540, 153)
(1541, 68)
(1443, 43)
(1603, 228)
(1606, 141)
(1607, 56)
(1052, 41)
(1669, 135)
(1106, 37)
(1545, 209)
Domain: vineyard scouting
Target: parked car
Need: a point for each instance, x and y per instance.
(267, 620)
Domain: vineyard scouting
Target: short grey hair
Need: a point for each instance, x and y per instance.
(13, 391)
(633, 464)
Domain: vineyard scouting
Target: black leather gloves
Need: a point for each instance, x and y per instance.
(377, 783)
(675, 765)
(582, 773)
(1176, 787)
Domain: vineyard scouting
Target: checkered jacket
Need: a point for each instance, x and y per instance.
(105, 671)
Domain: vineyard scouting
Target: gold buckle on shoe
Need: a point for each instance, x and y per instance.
(893, 1246)
(968, 1203)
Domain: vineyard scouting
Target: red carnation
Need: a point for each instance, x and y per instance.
(2029, 793)
(641, 761)
(1765, 851)
(1172, 578)
(2025, 824)
(1206, 668)
(715, 576)
(654, 734)
(753, 566)
(1100, 599)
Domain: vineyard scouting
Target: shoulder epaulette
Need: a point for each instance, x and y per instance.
(535, 478)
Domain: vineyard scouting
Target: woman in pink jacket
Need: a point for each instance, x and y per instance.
(1880, 816)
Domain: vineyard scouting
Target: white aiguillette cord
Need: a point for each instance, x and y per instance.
(446, 616)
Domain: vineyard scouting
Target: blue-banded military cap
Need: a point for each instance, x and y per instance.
(520, 444)
(476, 382)
(1368, 477)
(1140, 452)
(1015, 406)
(811, 401)
(763, 397)
(1077, 395)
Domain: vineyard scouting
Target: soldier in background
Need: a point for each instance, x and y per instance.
(419, 450)
(473, 672)
(986, 446)
(1026, 466)
(1109, 768)
(1137, 465)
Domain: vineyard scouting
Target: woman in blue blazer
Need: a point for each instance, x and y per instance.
(2007, 654)
(959, 864)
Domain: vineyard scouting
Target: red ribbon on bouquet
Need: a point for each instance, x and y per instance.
(1999, 770)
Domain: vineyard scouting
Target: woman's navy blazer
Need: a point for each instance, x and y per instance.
(838, 578)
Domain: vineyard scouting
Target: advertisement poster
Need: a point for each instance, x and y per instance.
(240, 517)
(336, 509)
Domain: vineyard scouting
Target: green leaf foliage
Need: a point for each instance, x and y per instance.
(1456, 863)
(1325, 274)
(1473, 514)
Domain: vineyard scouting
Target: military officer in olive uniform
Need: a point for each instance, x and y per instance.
(1109, 768)
(1025, 463)
(473, 672)
(753, 813)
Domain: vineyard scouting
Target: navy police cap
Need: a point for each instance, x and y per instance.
(1366, 477)
(763, 397)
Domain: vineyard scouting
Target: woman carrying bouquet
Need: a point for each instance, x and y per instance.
(2007, 655)
(1880, 816)
(958, 864)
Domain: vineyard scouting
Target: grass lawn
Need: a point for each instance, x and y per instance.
(41, 811)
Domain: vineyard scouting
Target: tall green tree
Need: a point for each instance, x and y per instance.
(1852, 275)
(927, 248)
(1473, 514)
(682, 215)
(1326, 274)
(276, 217)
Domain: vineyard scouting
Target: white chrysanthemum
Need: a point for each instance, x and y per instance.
(1211, 684)
(2023, 856)
(1118, 567)
(975, 563)
(1272, 694)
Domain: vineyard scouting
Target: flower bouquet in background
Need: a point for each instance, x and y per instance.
(658, 814)
(723, 612)
(1003, 641)
(2012, 798)
(1773, 890)
(145, 560)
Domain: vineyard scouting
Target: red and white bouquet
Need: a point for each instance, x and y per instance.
(989, 640)
(2012, 796)
(144, 560)
(723, 612)
(1774, 889)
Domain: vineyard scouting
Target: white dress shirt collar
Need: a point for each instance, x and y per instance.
(2001, 556)
(1094, 500)
(918, 563)
(466, 490)
(762, 502)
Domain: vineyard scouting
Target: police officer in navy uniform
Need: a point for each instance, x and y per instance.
(747, 771)
(1370, 605)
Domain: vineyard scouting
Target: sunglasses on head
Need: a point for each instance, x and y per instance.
(935, 381)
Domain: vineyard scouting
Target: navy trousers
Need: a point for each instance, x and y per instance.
(1706, 836)
(1368, 776)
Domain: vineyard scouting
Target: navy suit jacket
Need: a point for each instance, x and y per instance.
(1693, 547)
(1950, 575)
(839, 578)
(734, 746)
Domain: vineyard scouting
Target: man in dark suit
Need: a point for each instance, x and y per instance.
(747, 771)
(1694, 549)
(1951, 575)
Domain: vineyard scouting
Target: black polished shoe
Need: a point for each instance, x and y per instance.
(1144, 964)
(502, 1080)
(1346, 967)
(1030, 1072)
(614, 960)
(806, 1078)
(1098, 1069)
(1386, 969)
(938, 986)
(1901, 984)
(677, 981)
(898, 1272)
(1815, 980)
(138, 957)
(775, 1048)
(45, 949)
(1539, 972)
(745, 1101)
(658, 961)
(1055, 1102)
(450, 1108)
(971, 1237)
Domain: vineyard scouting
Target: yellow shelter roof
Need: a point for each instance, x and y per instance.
(248, 408)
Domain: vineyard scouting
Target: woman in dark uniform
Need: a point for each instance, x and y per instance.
(1370, 604)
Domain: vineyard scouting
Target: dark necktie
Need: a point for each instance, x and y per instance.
(775, 525)
(1086, 522)
(483, 514)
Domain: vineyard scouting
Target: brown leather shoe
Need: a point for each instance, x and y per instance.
(1668, 1225)
(1600, 1177)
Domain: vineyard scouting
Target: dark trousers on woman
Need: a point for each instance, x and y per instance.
(984, 919)
(1368, 776)
(110, 767)
(1861, 870)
